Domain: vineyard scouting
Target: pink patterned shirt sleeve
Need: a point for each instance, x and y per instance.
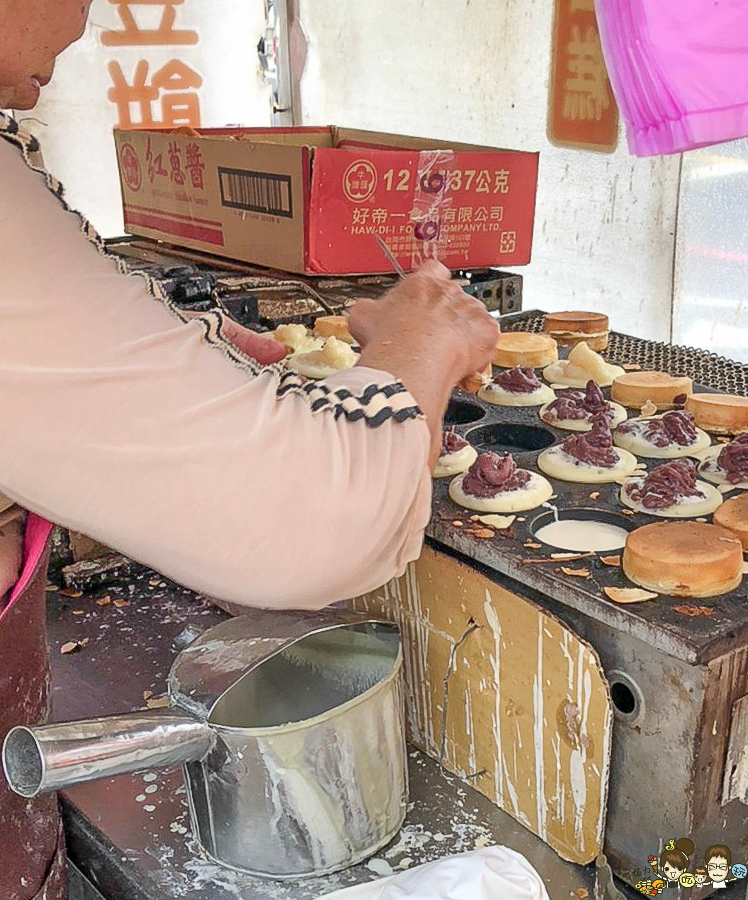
(153, 436)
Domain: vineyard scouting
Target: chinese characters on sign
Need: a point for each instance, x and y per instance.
(582, 111)
(133, 36)
(456, 213)
(152, 94)
(190, 173)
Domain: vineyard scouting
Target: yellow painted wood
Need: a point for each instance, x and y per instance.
(528, 705)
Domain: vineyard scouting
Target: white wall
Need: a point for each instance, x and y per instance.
(74, 119)
(711, 273)
(478, 71)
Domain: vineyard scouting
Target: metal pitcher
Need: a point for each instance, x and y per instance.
(290, 730)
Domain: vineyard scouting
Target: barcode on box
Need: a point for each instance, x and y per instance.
(256, 191)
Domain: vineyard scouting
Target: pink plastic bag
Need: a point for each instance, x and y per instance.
(37, 532)
(679, 70)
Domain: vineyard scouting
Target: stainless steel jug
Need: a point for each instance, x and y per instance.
(290, 729)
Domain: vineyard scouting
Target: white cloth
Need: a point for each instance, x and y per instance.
(491, 873)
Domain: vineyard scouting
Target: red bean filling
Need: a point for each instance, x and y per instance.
(518, 381)
(492, 474)
(451, 442)
(674, 428)
(665, 485)
(734, 459)
(594, 448)
(579, 405)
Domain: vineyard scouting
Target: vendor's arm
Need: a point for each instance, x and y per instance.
(126, 424)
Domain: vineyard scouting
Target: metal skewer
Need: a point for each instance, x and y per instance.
(388, 253)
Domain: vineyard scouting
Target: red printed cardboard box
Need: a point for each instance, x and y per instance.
(312, 200)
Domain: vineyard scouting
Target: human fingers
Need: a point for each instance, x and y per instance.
(265, 351)
(262, 349)
(471, 331)
(25, 94)
(487, 329)
(460, 310)
(422, 285)
(483, 332)
(44, 75)
(476, 360)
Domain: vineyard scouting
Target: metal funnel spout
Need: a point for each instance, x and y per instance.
(53, 757)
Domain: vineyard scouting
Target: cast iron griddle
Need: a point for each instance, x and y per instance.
(696, 631)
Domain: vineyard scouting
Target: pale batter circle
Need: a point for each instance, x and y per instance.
(494, 393)
(619, 415)
(533, 494)
(557, 463)
(637, 444)
(709, 468)
(689, 508)
(455, 463)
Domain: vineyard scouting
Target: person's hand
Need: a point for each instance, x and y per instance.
(428, 333)
(259, 347)
(264, 350)
(429, 317)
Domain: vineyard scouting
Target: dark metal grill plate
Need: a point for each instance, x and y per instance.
(707, 369)
(692, 638)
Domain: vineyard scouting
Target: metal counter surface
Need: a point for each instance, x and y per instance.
(130, 835)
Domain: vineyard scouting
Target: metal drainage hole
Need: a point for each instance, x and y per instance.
(624, 699)
(22, 762)
(461, 412)
(505, 437)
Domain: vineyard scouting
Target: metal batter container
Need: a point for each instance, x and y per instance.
(290, 730)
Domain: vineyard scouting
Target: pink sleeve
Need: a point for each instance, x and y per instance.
(124, 423)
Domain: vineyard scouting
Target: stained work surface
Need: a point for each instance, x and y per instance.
(528, 712)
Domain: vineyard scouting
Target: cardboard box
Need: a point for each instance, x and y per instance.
(311, 200)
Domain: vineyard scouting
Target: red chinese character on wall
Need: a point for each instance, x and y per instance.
(132, 35)
(174, 86)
